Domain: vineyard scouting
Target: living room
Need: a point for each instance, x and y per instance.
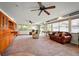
(39, 28)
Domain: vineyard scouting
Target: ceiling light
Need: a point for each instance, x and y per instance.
(60, 18)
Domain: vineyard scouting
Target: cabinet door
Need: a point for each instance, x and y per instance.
(0, 20)
(0, 41)
(1, 32)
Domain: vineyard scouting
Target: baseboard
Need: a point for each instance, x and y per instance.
(75, 44)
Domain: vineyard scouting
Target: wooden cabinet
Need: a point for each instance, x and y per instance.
(7, 25)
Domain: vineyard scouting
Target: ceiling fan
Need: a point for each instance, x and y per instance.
(30, 22)
(43, 8)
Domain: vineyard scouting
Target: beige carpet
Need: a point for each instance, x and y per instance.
(26, 46)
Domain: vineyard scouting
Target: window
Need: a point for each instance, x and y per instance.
(49, 27)
(42, 28)
(64, 26)
(60, 26)
(55, 26)
(75, 25)
(24, 27)
(34, 27)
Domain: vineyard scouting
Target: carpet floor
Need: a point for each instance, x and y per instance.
(25, 45)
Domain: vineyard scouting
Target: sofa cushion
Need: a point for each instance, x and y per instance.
(56, 34)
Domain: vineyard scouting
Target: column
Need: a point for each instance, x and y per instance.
(51, 27)
(69, 28)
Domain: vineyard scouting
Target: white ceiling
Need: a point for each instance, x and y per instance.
(23, 12)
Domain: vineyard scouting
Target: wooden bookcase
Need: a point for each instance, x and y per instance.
(7, 26)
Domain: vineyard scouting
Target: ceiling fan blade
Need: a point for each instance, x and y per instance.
(47, 12)
(39, 12)
(40, 4)
(50, 7)
(35, 10)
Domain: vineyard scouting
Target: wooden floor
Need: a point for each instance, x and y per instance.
(24, 45)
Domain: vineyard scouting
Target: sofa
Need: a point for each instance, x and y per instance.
(61, 37)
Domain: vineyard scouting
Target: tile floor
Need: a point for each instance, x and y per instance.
(24, 45)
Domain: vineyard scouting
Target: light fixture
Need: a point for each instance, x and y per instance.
(60, 18)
